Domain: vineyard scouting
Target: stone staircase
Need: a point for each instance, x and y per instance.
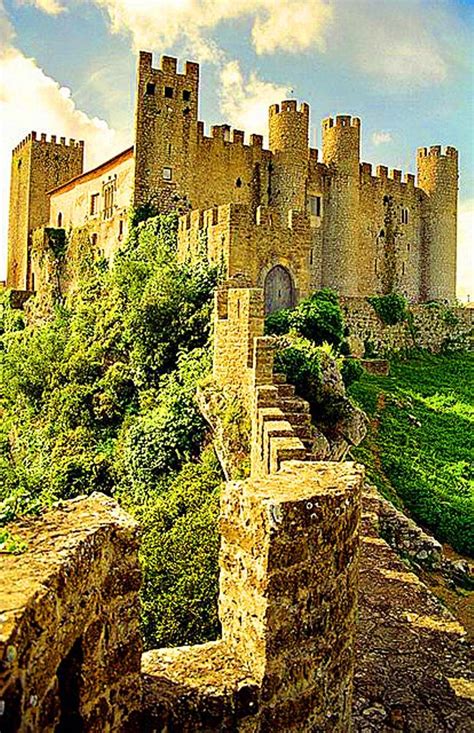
(283, 426)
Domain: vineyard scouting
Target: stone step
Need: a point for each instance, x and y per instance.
(266, 396)
(279, 378)
(285, 390)
(275, 413)
(293, 404)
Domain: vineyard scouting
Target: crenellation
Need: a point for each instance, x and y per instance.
(366, 168)
(381, 171)
(396, 175)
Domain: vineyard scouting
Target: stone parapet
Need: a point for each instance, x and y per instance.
(288, 597)
(69, 635)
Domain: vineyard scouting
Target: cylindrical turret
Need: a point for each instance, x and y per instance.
(341, 153)
(438, 177)
(288, 138)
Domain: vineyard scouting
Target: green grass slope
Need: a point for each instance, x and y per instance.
(420, 446)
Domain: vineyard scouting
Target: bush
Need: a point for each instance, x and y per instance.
(351, 371)
(301, 363)
(278, 323)
(391, 308)
(318, 318)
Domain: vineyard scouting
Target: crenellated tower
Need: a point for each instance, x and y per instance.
(166, 123)
(38, 165)
(288, 138)
(341, 153)
(438, 178)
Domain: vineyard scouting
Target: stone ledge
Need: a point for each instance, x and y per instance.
(192, 686)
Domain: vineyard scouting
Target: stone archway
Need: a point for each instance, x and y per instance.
(279, 289)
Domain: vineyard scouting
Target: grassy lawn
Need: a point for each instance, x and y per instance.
(420, 447)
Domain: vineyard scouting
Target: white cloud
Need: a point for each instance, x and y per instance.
(245, 102)
(52, 7)
(465, 269)
(379, 138)
(289, 25)
(43, 105)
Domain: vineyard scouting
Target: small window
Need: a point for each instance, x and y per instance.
(150, 88)
(19, 164)
(186, 95)
(311, 257)
(167, 174)
(405, 216)
(94, 238)
(121, 228)
(170, 149)
(94, 204)
(238, 183)
(33, 281)
(169, 92)
(314, 205)
(403, 268)
(109, 191)
(60, 220)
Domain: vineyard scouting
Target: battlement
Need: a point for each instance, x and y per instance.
(436, 151)
(382, 173)
(32, 137)
(226, 134)
(289, 105)
(168, 65)
(341, 121)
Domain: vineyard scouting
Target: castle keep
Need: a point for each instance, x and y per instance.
(288, 218)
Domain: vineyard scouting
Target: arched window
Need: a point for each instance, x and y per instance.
(279, 290)
(60, 220)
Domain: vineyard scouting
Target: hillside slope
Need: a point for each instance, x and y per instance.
(420, 446)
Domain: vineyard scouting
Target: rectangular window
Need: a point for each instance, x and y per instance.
(150, 88)
(314, 205)
(121, 228)
(94, 239)
(186, 95)
(169, 92)
(404, 216)
(167, 174)
(94, 204)
(108, 192)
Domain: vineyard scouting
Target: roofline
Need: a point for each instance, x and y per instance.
(88, 175)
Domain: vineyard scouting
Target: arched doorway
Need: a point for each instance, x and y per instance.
(279, 290)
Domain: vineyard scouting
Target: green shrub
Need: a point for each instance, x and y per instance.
(318, 318)
(301, 363)
(391, 308)
(278, 322)
(351, 371)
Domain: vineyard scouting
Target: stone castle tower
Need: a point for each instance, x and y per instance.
(38, 165)
(287, 219)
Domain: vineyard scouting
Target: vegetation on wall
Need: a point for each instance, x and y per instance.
(391, 308)
(420, 447)
(102, 397)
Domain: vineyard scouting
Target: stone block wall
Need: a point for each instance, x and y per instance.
(432, 329)
(69, 633)
(288, 598)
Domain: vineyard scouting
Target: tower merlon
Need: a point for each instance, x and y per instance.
(366, 168)
(436, 151)
(168, 65)
(238, 136)
(289, 105)
(396, 175)
(381, 171)
(314, 154)
(409, 179)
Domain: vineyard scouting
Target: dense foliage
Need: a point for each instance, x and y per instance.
(420, 449)
(391, 308)
(318, 318)
(101, 396)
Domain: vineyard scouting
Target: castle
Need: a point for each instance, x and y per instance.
(288, 221)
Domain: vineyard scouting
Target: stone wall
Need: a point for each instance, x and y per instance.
(69, 635)
(288, 597)
(434, 327)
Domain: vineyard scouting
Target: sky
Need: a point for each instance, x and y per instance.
(67, 67)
